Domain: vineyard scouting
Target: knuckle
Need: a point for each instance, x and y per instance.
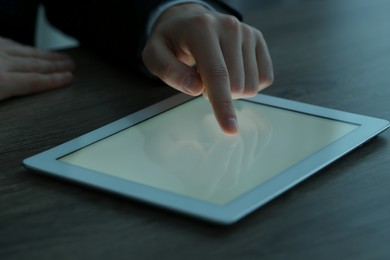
(204, 19)
(250, 34)
(199, 23)
(219, 71)
(246, 29)
(232, 22)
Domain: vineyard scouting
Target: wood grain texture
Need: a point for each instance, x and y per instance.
(330, 53)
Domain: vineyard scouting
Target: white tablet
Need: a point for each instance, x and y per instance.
(174, 155)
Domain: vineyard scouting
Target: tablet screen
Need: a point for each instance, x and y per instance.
(183, 150)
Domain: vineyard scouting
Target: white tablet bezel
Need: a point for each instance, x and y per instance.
(47, 161)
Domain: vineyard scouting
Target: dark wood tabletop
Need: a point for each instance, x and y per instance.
(330, 53)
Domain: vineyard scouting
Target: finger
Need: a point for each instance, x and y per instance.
(231, 45)
(16, 84)
(252, 81)
(28, 51)
(264, 62)
(162, 62)
(215, 76)
(18, 64)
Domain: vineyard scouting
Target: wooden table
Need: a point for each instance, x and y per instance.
(330, 53)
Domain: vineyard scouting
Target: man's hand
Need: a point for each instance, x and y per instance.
(26, 70)
(196, 50)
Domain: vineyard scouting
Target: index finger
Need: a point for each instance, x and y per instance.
(215, 76)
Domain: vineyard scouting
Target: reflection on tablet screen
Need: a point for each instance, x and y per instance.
(184, 151)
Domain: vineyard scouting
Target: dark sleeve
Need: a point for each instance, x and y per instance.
(112, 28)
(17, 20)
(115, 28)
(223, 7)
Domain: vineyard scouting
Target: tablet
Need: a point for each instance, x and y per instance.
(174, 155)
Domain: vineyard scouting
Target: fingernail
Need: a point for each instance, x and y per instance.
(232, 124)
(191, 84)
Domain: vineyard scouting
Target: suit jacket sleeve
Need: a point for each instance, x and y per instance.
(17, 20)
(115, 28)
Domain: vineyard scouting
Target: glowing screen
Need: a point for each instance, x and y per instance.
(184, 151)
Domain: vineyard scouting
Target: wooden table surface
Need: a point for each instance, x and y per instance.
(330, 53)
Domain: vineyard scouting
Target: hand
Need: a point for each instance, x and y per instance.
(26, 70)
(231, 58)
